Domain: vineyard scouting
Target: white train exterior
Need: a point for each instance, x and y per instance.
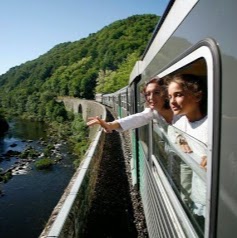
(197, 37)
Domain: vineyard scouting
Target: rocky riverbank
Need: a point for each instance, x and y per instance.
(19, 161)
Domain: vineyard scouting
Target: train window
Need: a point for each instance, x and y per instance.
(144, 130)
(183, 171)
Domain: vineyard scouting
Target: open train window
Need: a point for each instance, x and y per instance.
(189, 182)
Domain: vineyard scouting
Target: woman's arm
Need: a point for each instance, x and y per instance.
(126, 123)
(108, 126)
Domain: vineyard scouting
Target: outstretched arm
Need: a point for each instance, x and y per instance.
(108, 126)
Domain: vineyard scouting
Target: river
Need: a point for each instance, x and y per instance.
(29, 198)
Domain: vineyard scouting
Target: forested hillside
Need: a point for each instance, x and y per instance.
(101, 62)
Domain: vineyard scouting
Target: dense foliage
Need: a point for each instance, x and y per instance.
(101, 62)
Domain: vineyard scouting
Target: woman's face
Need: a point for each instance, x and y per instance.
(182, 102)
(153, 96)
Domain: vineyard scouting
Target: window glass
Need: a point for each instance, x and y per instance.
(183, 170)
(141, 104)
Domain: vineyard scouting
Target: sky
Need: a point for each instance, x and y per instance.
(30, 28)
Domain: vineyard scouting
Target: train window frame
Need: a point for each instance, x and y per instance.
(145, 131)
(208, 50)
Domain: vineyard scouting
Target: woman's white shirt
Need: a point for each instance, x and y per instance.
(196, 129)
(139, 119)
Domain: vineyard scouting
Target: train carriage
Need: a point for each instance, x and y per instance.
(196, 37)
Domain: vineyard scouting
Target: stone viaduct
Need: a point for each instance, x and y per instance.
(87, 108)
(66, 218)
